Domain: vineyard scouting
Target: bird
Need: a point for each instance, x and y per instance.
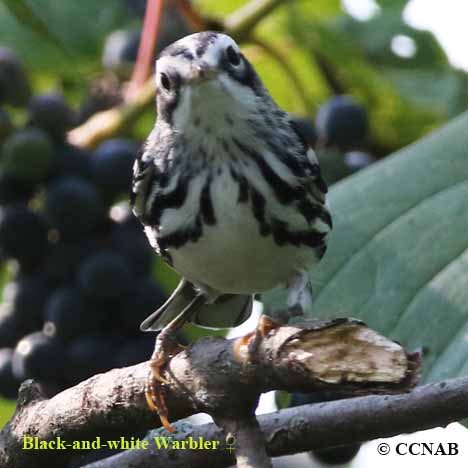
(228, 191)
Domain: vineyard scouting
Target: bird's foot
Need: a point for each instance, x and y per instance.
(166, 347)
(247, 346)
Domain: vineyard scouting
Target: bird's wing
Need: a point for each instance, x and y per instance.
(181, 297)
(318, 186)
(143, 172)
(228, 310)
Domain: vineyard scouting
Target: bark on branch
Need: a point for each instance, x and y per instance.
(223, 378)
(319, 426)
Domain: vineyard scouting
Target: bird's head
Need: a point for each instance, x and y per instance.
(204, 74)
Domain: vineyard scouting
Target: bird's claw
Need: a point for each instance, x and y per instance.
(165, 349)
(252, 340)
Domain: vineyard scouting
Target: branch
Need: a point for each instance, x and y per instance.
(319, 426)
(223, 378)
(104, 125)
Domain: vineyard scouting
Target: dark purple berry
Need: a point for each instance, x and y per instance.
(66, 315)
(28, 155)
(144, 300)
(14, 85)
(73, 206)
(52, 114)
(342, 122)
(105, 275)
(89, 355)
(8, 383)
(23, 234)
(26, 296)
(112, 167)
(38, 357)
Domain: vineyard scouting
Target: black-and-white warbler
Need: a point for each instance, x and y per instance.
(229, 193)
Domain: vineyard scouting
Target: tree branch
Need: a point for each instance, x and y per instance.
(319, 426)
(223, 378)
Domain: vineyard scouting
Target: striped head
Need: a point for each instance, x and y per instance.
(205, 75)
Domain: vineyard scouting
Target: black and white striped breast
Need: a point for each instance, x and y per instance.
(252, 200)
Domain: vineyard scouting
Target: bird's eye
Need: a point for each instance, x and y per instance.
(233, 56)
(166, 83)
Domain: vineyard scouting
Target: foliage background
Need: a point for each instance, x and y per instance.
(330, 53)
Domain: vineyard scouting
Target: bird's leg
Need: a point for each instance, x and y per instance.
(299, 295)
(299, 301)
(166, 347)
(265, 325)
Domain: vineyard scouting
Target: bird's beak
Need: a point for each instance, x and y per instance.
(202, 72)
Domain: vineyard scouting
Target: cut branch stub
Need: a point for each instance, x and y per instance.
(343, 354)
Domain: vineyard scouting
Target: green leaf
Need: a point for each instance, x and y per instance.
(28, 18)
(7, 408)
(375, 36)
(398, 254)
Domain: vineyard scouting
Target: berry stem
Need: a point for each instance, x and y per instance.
(149, 36)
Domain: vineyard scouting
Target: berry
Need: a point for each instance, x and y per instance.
(38, 357)
(89, 355)
(26, 296)
(66, 315)
(14, 86)
(8, 383)
(137, 7)
(306, 130)
(14, 190)
(28, 155)
(146, 298)
(112, 167)
(51, 113)
(104, 93)
(23, 234)
(135, 351)
(11, 326)
(120, 51)
(357, 160)
(342, 122)
(73, 206)
(64, 257)
(124, 217)
(105, 275)
(71, 161)
(5, 125)
(134, 246)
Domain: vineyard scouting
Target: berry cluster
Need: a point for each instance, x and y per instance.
(78, 264)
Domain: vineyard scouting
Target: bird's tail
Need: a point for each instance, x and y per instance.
(229, 310)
